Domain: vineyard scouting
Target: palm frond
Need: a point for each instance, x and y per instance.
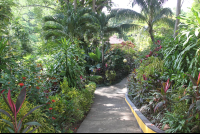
(56, 18)
(167, 21)
(165, 12)
(129, 27)
(52, 26)
(141, 3)
(54, 33)
(112, 30)
(129, 14)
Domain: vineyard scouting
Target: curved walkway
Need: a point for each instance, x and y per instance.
(109, 112)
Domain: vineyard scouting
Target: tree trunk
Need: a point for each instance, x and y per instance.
(93, 6)
(151, 33)
(103, 66)
(178, 11)
(75, 4)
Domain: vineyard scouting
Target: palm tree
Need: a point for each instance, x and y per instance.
(69, 24)
(105, 31)
(151, 13)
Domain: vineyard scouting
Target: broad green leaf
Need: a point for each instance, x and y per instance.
(93, 56)
(33, 123)
(186, 97)
(198, 105)
(26, 129)
(33, 130)
(6, 113)
(10, 130)
(7, 103)
(19, 126)
(192, 79)
(98, 53)
(191, 106)
(8, 122)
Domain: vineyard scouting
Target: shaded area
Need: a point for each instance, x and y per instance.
(109, 112)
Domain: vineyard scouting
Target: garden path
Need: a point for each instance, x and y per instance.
(109, 112)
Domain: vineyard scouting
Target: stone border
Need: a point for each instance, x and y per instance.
(145, 125)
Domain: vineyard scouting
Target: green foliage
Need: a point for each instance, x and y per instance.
(110, 75)
(177, 123)
(95, 78)
(96, 57)
(151, 66)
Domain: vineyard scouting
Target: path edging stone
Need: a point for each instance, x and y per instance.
(145, 125)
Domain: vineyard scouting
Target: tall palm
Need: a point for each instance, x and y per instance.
(105, 31)
(69, 24)
(151, 13)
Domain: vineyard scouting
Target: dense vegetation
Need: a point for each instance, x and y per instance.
(54, 53)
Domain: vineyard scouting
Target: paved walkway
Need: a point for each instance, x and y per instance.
(109, 112)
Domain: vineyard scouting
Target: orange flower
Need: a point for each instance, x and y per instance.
(50, 108)
(24, 78)
(53, 101)
(21, 84)
(37, 87)
(8, 82)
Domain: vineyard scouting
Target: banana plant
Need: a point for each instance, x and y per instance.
(96, 57)
(15, 126)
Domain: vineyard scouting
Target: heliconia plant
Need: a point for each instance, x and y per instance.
(15, 108)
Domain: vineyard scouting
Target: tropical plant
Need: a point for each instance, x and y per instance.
(96, 57)
(69, 23)
(106, 31)
(151, 13)
(14, 108)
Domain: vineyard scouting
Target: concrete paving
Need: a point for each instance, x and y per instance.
(109, 112)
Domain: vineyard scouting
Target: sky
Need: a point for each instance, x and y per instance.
(169, 3)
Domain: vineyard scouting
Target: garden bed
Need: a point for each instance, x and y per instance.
(145, 125)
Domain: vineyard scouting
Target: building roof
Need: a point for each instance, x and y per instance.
(114, 40)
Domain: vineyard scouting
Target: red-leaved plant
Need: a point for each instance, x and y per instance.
(163, 95)
(194, 95)
(14, 108)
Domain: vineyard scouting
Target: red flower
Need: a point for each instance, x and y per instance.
(21, 84)
(37, 87)
(81, 77)
(150, 53)
(140, 60)
(147, 56)
(24, 78)
(47, 97)
(2, 91)
(53, 101)
(106, 65)
(53, 118)
(158, 42)
(160, 47)
(50, 108)
(46, 91)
